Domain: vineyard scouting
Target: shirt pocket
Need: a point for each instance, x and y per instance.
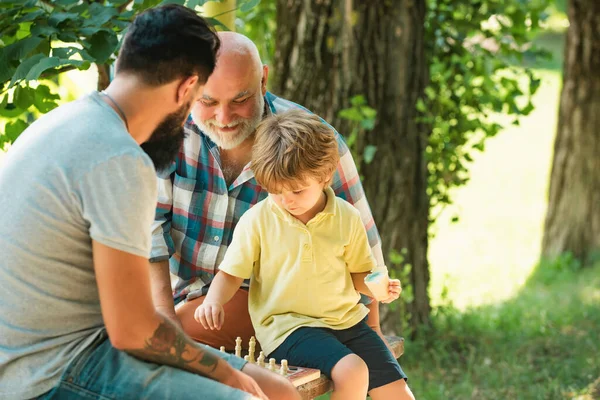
(188, 200)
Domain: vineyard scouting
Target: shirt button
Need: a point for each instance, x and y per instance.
(216, 238)
(306, 246)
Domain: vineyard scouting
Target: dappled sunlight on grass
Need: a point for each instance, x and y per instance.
(541, 344)
(488, 254)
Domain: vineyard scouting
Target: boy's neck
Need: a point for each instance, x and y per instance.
(310, 214)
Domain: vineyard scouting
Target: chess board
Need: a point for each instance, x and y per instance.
(300, 375)
(297, 375)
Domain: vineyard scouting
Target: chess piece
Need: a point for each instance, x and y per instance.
(251, 349)
(238, 346)
(272, 364)
(222, 349)
(260, 361)
(284, 368)
(246, 358)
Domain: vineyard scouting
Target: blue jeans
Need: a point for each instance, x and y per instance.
(103, 372)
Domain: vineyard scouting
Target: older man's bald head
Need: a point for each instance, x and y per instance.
(238, 50)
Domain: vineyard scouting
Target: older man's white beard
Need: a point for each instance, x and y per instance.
(245, 128)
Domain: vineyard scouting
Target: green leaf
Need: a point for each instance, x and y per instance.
(369, 112)
(351, 114)
(358, 100)
(100, 15)
(24, 68)
(527, 109)
(51, 62)
(30, 16)
(369, 153)
(216, 23)
(45, 100)
(180, 2)
(195, 3)
(24, 97)
(14, 129)
(68, 37)
(249, 5)
(65, 2)
(10, 111)
(56, 18)
(102, 45)
(367, 124)
(40, 28)
(20, 49)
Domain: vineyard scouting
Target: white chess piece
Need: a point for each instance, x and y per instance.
(222, 349)
(272, 364)
(238, 346)
(260, 361)
(251, 349)
(284, 368)
(246, 358)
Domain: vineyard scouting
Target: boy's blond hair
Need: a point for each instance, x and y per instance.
(292, 147)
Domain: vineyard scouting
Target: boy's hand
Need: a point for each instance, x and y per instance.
(210, 315)
(394, 290)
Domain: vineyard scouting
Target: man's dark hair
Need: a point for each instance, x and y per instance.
(166, 43)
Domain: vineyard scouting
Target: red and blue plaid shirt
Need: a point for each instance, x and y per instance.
(197, 211)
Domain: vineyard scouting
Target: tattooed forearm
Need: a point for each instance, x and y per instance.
(168, 345)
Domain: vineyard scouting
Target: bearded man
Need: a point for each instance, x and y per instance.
(78, 199)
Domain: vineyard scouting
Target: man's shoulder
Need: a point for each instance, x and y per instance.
(345, 209)
(259, 212)
(279, 105)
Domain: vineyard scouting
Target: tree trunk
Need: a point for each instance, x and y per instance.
(325, 53)
(573, 216)
(103, 76)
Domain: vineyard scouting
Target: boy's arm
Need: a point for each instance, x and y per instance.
(222, 288)
(358, 279)
(210, 313)
(236, 266)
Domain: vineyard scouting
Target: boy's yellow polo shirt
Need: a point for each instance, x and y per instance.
(300, 274)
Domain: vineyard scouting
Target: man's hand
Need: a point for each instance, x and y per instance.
(394, 290)
(210, 314)
(240, 380)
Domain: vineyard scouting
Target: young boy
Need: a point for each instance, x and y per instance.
(306, 253)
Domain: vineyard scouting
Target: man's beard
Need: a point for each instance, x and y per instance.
(245, 127)
(167, 138)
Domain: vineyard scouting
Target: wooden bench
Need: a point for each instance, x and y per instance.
(323, 385)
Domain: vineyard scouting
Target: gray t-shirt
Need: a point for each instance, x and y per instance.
(75, 175)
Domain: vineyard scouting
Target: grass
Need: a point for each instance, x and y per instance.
(541, 344)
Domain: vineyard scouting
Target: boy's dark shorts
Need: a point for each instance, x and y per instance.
(322, 348)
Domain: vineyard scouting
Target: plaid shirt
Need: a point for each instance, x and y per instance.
(197, 211)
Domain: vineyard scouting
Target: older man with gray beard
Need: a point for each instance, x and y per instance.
(209, 187)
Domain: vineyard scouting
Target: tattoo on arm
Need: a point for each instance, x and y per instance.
(168, 345)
